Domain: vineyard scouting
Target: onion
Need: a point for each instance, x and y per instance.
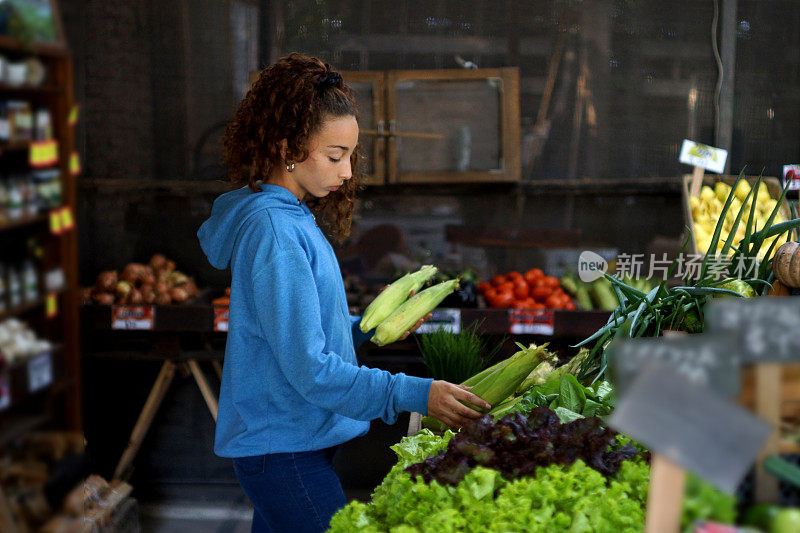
(163, 298)
(123, 289)
(178, 294)
(106, 281)
(158, 262)
(135, 297)
(103, 298)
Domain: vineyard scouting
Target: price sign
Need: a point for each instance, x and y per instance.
(40, 372)
(791, 177)
(51, 306)
(709, 361)
(43, 153)
(67, 221)
(703, 156)
(73, 115)
(690, 425)
(55, 223)
(74, 164)
(221, 318)
(133, 317)
(768, 329)
(446, 319)
(531, 321)
(5, 392)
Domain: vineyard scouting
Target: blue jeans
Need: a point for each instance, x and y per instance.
(295, 492)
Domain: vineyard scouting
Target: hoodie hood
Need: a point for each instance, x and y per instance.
(230, 212)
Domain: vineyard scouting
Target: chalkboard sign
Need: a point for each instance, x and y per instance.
(767, 329)
(690, 425)
(710, 361)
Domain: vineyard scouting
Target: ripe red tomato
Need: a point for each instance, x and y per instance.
(569, 305)
(521, 289)
(483, 286)
(490, 294)
(551, 281)
(513, 276)
(503, 299)
(541, 293)
(506, 286)
(519, 304)
(498, 279)
(533, 274)
(553, 302)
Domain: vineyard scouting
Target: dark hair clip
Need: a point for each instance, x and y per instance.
(331, 79)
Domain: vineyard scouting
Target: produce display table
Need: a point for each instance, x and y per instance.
(154, 332)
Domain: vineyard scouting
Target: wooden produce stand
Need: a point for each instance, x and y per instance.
(162, 325)
(692, 183)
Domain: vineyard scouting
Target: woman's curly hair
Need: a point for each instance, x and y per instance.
(290, 100)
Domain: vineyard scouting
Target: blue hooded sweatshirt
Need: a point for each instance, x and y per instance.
(291, 382)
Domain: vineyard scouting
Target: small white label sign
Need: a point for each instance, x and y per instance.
(40, 372)
(791, 175)
(446, 319)
(701, 155)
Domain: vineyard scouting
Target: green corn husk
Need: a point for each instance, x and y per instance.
(393, 297)
(411, 311)
(500, 384)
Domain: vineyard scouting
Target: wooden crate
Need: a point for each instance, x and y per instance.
(773, 186)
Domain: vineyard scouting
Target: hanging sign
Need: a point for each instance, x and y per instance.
(766, 329)
(133, 317)
(703, 156)
(709, 361)
(531, 321)
(690, 425)
(447, 319)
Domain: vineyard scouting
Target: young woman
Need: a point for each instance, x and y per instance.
(292, 390)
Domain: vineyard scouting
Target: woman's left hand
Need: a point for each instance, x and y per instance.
(415, 326)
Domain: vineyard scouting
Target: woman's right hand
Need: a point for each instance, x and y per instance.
(444, 404)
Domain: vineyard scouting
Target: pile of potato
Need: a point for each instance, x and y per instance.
(157, 282)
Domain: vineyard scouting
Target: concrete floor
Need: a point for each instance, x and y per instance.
(198, 508)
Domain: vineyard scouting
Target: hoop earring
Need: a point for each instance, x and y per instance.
(290, 167)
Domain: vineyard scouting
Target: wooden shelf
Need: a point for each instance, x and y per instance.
(23, 221)
(50, 50)
(25, 91)
(17, 426)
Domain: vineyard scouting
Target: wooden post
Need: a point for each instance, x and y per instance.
(724, 133)
(768, 407)
(217, 368)
(665, 496)
(149, 411)
(697, 182)
(205, 388)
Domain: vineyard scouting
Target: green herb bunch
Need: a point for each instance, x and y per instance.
(454, 357)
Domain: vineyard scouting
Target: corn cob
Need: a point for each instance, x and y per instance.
(393, 296)
(500, 384)
(411, 311)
